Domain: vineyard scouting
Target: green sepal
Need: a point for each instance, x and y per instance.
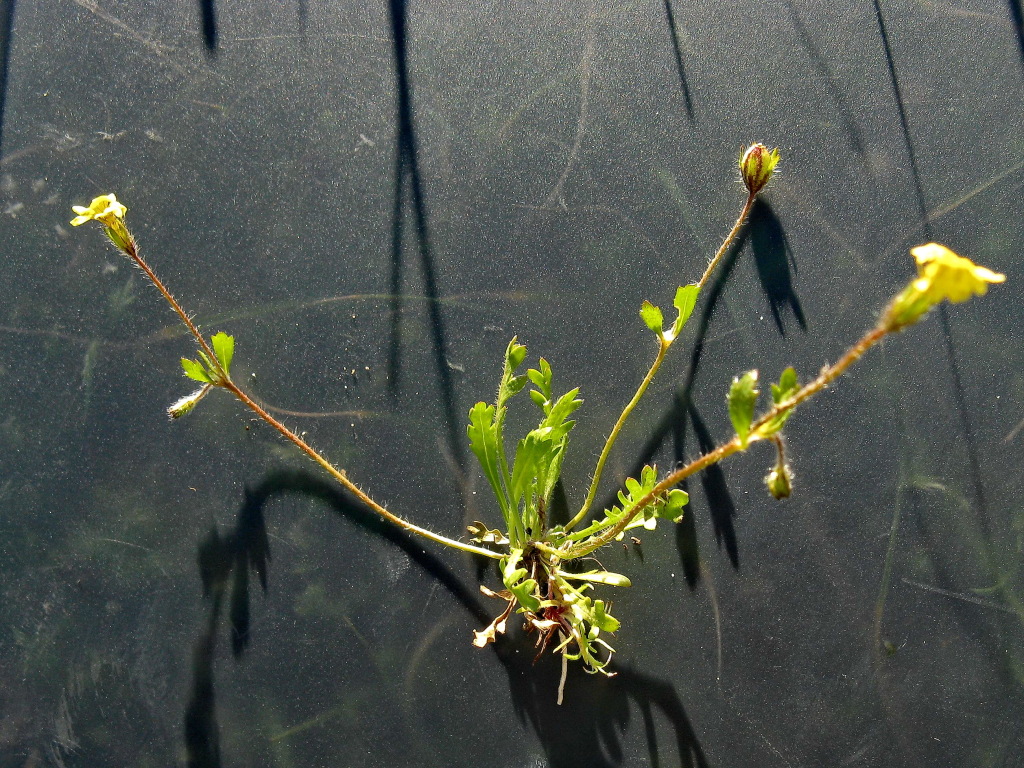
(742, 400)
(224, 349)
(195, 370)
(652, 317)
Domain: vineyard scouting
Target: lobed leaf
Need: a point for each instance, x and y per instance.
(652, 317)
(684, 302)
(195, 370)
(224, 349)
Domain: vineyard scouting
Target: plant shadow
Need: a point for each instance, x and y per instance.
(589, 731)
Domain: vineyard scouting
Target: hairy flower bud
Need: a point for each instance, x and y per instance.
(181, 407)
(757, 163)
(780, 481)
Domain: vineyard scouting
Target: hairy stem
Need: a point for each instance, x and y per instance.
(828, 374)
(131, 249)
(342, 477)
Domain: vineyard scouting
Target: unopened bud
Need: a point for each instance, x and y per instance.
(757, 163)
(780, 481)
(181, 407)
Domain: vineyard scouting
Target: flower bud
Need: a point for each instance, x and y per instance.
(756, 166)
(780, 481)
(181, 407)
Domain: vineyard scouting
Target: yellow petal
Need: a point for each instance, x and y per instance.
(943, 274)
(104, 208)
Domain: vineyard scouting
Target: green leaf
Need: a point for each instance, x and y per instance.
(483, 441)
(787, 386)
(684, 302)
(562, 409)
(195, 370)
(785, 389)
(603, 620)
(628, 500)
(672, 509)
(599, 577)
(515, 580)
(224, 349)
(541, 378)
(532, 454)
(652, 317)
(742, 400)
(511, 384)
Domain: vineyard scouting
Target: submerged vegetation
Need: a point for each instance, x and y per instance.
(539, 561)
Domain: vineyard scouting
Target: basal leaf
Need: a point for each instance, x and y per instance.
(516, 582)
(598, 577)
(483, 441)
(602, 619)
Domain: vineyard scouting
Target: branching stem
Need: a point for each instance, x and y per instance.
(828, 374)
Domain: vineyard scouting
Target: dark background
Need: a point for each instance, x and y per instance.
(373, 199)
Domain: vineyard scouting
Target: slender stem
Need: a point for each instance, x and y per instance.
(606, 452)
(828, 374)
(341, 477)
(664, 344)
(724, 247)
(132, 251)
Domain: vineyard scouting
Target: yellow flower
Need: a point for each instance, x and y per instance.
(942, 274)
(104, 209)
(757, 163)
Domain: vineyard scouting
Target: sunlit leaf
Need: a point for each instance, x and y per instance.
(483, 441)
(652, 317)
(224, 349)
(784, 390)
(742, 400)
(684, 302)
(599, 577)
(195, 370)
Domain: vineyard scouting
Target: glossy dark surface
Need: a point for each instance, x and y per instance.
(373, 200)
